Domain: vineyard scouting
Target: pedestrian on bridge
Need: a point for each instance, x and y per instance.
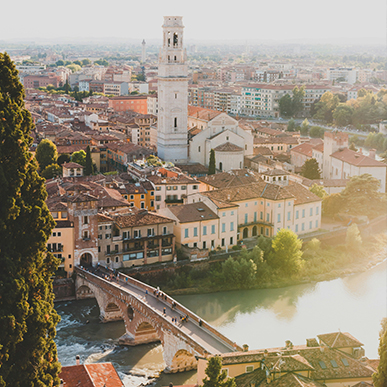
(165, 311)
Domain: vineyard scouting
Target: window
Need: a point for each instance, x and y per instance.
(246, 218)
(142, 204)
(223, 227)
(131, 197)
(59, 234)
(289, 215)
(261, 215)
(198, 148)
(213, 229)
(64, 215)
(303, 213)
(108, 249)
(297, 214)
(137, 233)
(158, 188)
(255, 216)
(54, 215)
(158, 198)
(85, 220)
(142, 196)
(302, 227)
(165, 230)
(296, 227)
(310, 225)
(195, 244)
(195, 187)
(195, 231)
(249, 369)
(183, 187)
(169, 188)
(317, 209)
(232, 213)
(186, 233)
(267, 217)
(204, 230)
(151, 232)
(232, 226)
(175, 122)
(278, 218)
(279, 205)
(54, 234)
(107, 260)
(204, 245)
(223, 242)
(311, 212)
(316, 223)
(267, 232)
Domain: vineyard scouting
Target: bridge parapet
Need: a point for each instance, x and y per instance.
(184, 311)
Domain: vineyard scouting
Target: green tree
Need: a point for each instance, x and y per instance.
(361, 196)
(310, 169)
(304, 130)
(51, 171)
(342, 115)
(67, 87)
(286, 106)
(86, 62)
(316, 132)
(74, 68)
(59, 63)
(79, 157)
(353, 239)
(63, 158)
(88, 162)
(297, 99)
(46, 154)
(325, 106)
(28, 355)
(332, 204)
(286, 256)
(291, 125)
(215, 377)
(318, 190)
(212, 163)
(380, 376)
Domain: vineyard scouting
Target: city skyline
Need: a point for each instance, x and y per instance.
(278, 21)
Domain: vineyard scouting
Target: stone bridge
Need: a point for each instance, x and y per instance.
(135, 303)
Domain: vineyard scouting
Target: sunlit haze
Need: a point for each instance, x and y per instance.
(246, 20)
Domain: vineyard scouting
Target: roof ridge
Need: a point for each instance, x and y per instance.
(334, 341)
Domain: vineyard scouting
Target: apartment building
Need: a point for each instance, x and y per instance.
(137, 103)
(262, 99)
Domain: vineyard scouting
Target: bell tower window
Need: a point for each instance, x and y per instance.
(169, 39)
(175, 40)
(175, 122)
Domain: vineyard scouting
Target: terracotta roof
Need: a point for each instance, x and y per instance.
(91, 375)
(228, 147)
(263, 150)
(193, 212)
(72, 165)
(233, 178)
(180, 179)
(56, 206)
(291, 380)
(275, 172)
(135, 217)
(339, 340)
(351, 157)
(276, 140)
(202, 113)
(363, 384)
(304, 149)
(193, 169)
(104, 218)
(301, 194)
(82, 198)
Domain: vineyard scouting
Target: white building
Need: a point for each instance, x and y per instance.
(348, 74)
(333, 141)
(172, 93)
(229, 141)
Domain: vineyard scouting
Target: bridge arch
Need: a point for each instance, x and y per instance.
(183, 360)
(147, 331)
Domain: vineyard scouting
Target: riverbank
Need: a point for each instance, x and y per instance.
(320, 264)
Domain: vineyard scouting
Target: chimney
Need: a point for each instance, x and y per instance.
(360, 151)
(372, 153)
(245, 347)
(77, 360)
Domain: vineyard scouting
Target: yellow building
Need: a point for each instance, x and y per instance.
(61, 241)
(140, 195)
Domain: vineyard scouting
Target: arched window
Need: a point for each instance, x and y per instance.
(175, 122)
(175, 40)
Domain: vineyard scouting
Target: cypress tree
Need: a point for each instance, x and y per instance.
(211, 165)
(28, 355)
(89, 162)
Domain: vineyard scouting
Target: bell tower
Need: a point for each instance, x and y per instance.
(172, 133)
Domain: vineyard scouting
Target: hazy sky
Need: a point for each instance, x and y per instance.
(203, 19)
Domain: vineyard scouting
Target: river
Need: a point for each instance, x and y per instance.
(260, 318)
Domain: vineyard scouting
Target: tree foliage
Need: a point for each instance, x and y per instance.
(79, 157)
(63, 158)
(88, 162)
(46, 154)
(290, 106)
(28, 355)
(325, 106)
(342, 115)
(353, 239)
(291, 125)
(316, 132)
(286, 256)
(212, 163)
(51, 171)
(318, 190)
(304, 130)
(311, 170)
(380, 376)
(215, 377)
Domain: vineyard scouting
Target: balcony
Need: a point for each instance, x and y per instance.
(174, 201)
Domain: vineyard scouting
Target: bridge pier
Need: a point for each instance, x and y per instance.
(145, 324)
